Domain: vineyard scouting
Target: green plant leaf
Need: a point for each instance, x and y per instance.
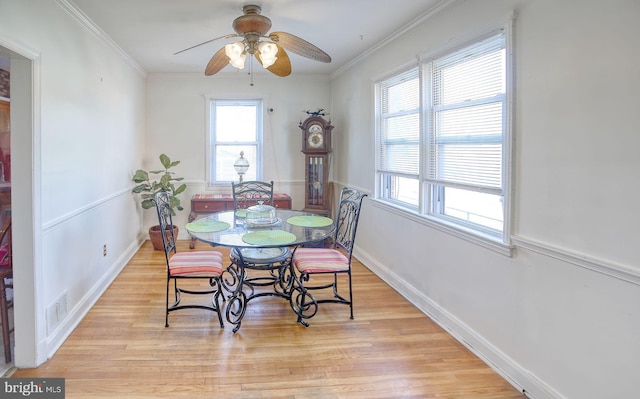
(180, 189)
(140, 176)
(165, 161)
(165, 180)
(148, 188)
(140, 188)
(148, 203)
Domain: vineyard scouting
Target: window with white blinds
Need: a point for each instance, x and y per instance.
(235, 126)
(467, 117)
(399, 141)
(444, 156)
(399, 150)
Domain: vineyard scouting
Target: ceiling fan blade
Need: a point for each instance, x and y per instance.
(217, 62)
(208, 41)
(282, 66)
(299, 46)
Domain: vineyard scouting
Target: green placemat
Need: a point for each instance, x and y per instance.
(241, 213)
(268, 237)
(207, 226)
(309, 221)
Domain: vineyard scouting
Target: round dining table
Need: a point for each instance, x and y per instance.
(264, 241)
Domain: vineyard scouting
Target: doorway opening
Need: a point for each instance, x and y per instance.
(23, 203)
(6, 264)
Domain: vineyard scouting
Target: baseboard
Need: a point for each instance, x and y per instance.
(57, 337)
(513, 372)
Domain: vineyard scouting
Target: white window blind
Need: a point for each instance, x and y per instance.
(399, 151)
(468, 118)
(443, 137)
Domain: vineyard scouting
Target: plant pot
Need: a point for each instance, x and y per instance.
(155, 235)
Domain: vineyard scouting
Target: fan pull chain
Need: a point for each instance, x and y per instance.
(251, 71)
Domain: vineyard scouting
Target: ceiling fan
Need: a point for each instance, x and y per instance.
(269, 49)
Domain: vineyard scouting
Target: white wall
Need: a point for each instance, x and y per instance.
(87, 132)
(176, 125)
(561, 317)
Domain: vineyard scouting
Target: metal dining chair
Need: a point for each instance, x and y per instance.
(272, 260)
(332, 261)
(192, 265)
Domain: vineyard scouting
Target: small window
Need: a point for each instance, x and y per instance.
(235, 128)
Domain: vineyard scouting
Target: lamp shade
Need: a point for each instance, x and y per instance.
(235, 52)
(268, 51)
(241, 165)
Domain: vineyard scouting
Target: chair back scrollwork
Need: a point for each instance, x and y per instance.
(165, 221)
(347, 219)
(249, 193)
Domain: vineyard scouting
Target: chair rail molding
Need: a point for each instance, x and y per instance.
(64, 218)
(611, 269)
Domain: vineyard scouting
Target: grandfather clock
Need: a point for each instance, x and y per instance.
(316, 146)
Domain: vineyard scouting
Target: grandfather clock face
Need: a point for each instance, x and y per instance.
(316, 145)
(316, 135)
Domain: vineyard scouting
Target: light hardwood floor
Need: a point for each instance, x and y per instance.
(391, 350)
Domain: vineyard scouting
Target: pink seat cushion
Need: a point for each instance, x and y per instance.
(319, 260)
(196, 263)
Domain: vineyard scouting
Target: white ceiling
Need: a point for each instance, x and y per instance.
(151, 31)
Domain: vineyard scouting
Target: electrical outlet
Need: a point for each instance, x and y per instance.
(104, 250)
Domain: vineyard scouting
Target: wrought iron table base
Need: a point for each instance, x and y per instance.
(236, 282)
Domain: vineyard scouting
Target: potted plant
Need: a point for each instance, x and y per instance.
(148, 188)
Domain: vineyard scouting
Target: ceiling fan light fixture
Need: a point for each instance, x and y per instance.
(253, 29)
(251, 21)
(235, 52)
(268, 51)
(238, 62)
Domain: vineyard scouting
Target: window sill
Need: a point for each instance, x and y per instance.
(474, 237)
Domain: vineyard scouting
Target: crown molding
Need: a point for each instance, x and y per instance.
(435, 10)
(89, 25)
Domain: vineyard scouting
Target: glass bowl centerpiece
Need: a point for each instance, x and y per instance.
(261, 215)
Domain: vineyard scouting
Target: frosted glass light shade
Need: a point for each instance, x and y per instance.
(235, 52)
(268, 51)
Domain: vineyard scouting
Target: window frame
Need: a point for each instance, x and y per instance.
(427, 208)
(384, 174)
(212, 143)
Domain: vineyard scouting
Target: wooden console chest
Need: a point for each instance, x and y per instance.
(202, 204)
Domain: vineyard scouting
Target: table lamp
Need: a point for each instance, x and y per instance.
(241, 165)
